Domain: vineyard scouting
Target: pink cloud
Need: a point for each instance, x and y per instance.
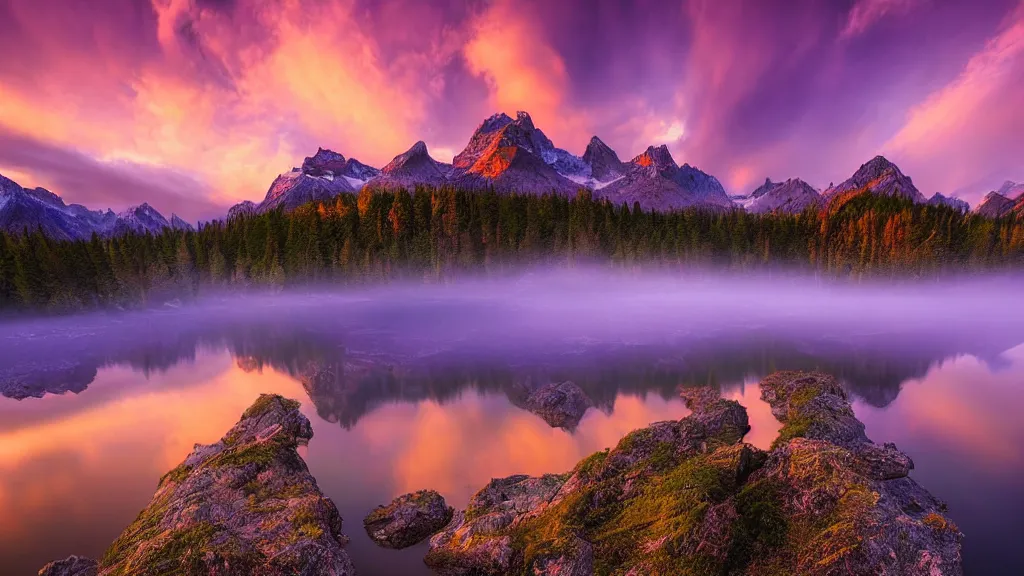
(522, 70)
(966, 136)
(866, 13)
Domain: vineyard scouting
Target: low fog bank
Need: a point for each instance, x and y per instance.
(557, 305)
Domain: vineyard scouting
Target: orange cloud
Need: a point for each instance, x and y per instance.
(234, 102)
(522, 70)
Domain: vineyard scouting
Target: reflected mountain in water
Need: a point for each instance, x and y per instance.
(350, 368)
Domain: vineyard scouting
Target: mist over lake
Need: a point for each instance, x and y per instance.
(423, 389)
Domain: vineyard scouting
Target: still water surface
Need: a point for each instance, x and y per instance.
(424, 396)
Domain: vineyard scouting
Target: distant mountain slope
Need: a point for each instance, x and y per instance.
(791, 197)
(412, 167)
(321, 177)
(656, 182)
(994, 205)
(955, 203)
(878, 176)
(1012, 190)
(38, 208)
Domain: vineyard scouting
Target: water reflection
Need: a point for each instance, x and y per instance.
(397, 410)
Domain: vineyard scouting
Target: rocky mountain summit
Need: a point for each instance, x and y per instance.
(655, 182)
(604, 163)
(791, 197)
(246, 505)
(689, 497)
(514, 155)
(413, 167)
(321, 177)
(38, 208)
(878, 176)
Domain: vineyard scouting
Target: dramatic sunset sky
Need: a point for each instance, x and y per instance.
(194, 105)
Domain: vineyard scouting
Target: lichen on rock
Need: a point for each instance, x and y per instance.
(246, 505)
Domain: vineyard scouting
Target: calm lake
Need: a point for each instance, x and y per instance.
(422, 383)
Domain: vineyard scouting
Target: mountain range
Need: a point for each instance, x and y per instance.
(511, 155)
(1009, 199)
(38, 208)
(504, 154)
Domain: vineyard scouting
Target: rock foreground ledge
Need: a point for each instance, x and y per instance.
(408, 519)
(246, 505)
(688, 497)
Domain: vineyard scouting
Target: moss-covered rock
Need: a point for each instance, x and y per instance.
(689, 498)
(408, 519)
(246, 505)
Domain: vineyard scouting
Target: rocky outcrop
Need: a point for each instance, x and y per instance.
(560, 404)
(70, 566)
(245, 505)
(408, 519)
(688, 497)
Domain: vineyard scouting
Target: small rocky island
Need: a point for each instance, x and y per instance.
(246, 505)
(688, 497)
(684, 497)
(560, 404)
(408, 519)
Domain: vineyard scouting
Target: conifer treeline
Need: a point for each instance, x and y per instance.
(437, 233)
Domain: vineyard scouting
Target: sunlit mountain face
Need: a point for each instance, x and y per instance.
(203, 103)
